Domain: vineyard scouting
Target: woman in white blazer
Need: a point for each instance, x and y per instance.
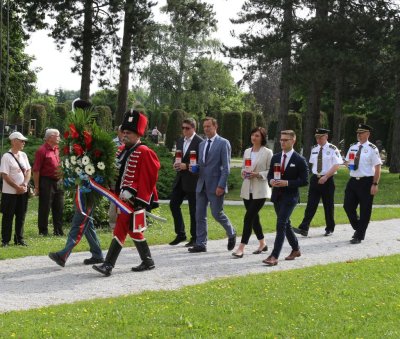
(255, 189)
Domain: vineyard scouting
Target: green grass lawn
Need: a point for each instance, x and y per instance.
(359, 299)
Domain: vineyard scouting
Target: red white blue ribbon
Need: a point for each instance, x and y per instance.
(124, 207)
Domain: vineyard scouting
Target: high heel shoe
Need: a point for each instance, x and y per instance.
(258, 251)
(238, 256)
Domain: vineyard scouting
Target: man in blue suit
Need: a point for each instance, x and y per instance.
(293, 171)
(214, 159)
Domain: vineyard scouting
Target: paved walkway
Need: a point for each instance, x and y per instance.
(33, 282)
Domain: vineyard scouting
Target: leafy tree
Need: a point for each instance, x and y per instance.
(211, 88)
(270, 45)
(92, 28)
(176, 49)
(265, 88)
(16, 78)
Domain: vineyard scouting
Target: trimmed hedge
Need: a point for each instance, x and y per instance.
(232, 130)
(351, 122)
(174, 127)
(248, 123)
(38, 112)
(295, 123)
(104, 118)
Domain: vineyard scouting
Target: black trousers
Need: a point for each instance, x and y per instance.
(316, 192)
(51, 196)
(358, 192)
(13, 205)
(177, 197)
(252, 219)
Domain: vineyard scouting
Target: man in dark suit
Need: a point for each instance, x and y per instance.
(289, 173)
(185, 183)
(214, 159)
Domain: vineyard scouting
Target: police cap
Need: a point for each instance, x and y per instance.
(321, 131)
(363, 128)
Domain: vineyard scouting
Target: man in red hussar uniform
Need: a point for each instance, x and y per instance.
(136, 185)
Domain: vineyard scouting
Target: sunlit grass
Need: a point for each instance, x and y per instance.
(357, 299)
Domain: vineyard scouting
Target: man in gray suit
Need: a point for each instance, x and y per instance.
(214, 158)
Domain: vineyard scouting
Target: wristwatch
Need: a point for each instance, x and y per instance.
(375, 184)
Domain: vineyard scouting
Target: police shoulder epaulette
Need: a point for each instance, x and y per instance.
(353, 144)
(315, 146)
(332, 146)
(372, 146)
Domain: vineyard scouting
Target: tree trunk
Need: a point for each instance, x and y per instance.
(284, 86)
(395, 156)
(311, 117)
(87, 51)
(123, 86)
(337, 110)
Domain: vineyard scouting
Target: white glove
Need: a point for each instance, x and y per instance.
(125, 195)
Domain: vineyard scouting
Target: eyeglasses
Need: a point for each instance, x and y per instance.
(186, 127)
(21, 140)
(285, 140)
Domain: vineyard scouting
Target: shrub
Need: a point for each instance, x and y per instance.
(100, 213)
(163, 122)
(38, 112)
(295, 123)
(260, 121)
(166, 174)
(272, 130)
(104, 118)
(248, 123)
(232, 130)
(351, 122)
(174, 127)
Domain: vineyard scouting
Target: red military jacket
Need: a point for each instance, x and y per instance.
(140, 175)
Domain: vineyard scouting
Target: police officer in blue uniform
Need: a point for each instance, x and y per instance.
(325, 159)
(365, 172)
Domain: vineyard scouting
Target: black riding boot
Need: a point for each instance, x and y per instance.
(111, 258)
(145, 255)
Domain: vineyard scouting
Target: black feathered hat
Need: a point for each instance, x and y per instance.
(135, 121)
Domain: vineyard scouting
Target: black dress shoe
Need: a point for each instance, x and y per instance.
(177, 240)
(328, 233)
(197, 249)
(258, 251)
(231, 243)
(93, 260)
(57, 259)
(4, 244)
(237, 256)
(21, 243)
(355, 241)
(191, 243)
(144, 267)
(304, 233)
